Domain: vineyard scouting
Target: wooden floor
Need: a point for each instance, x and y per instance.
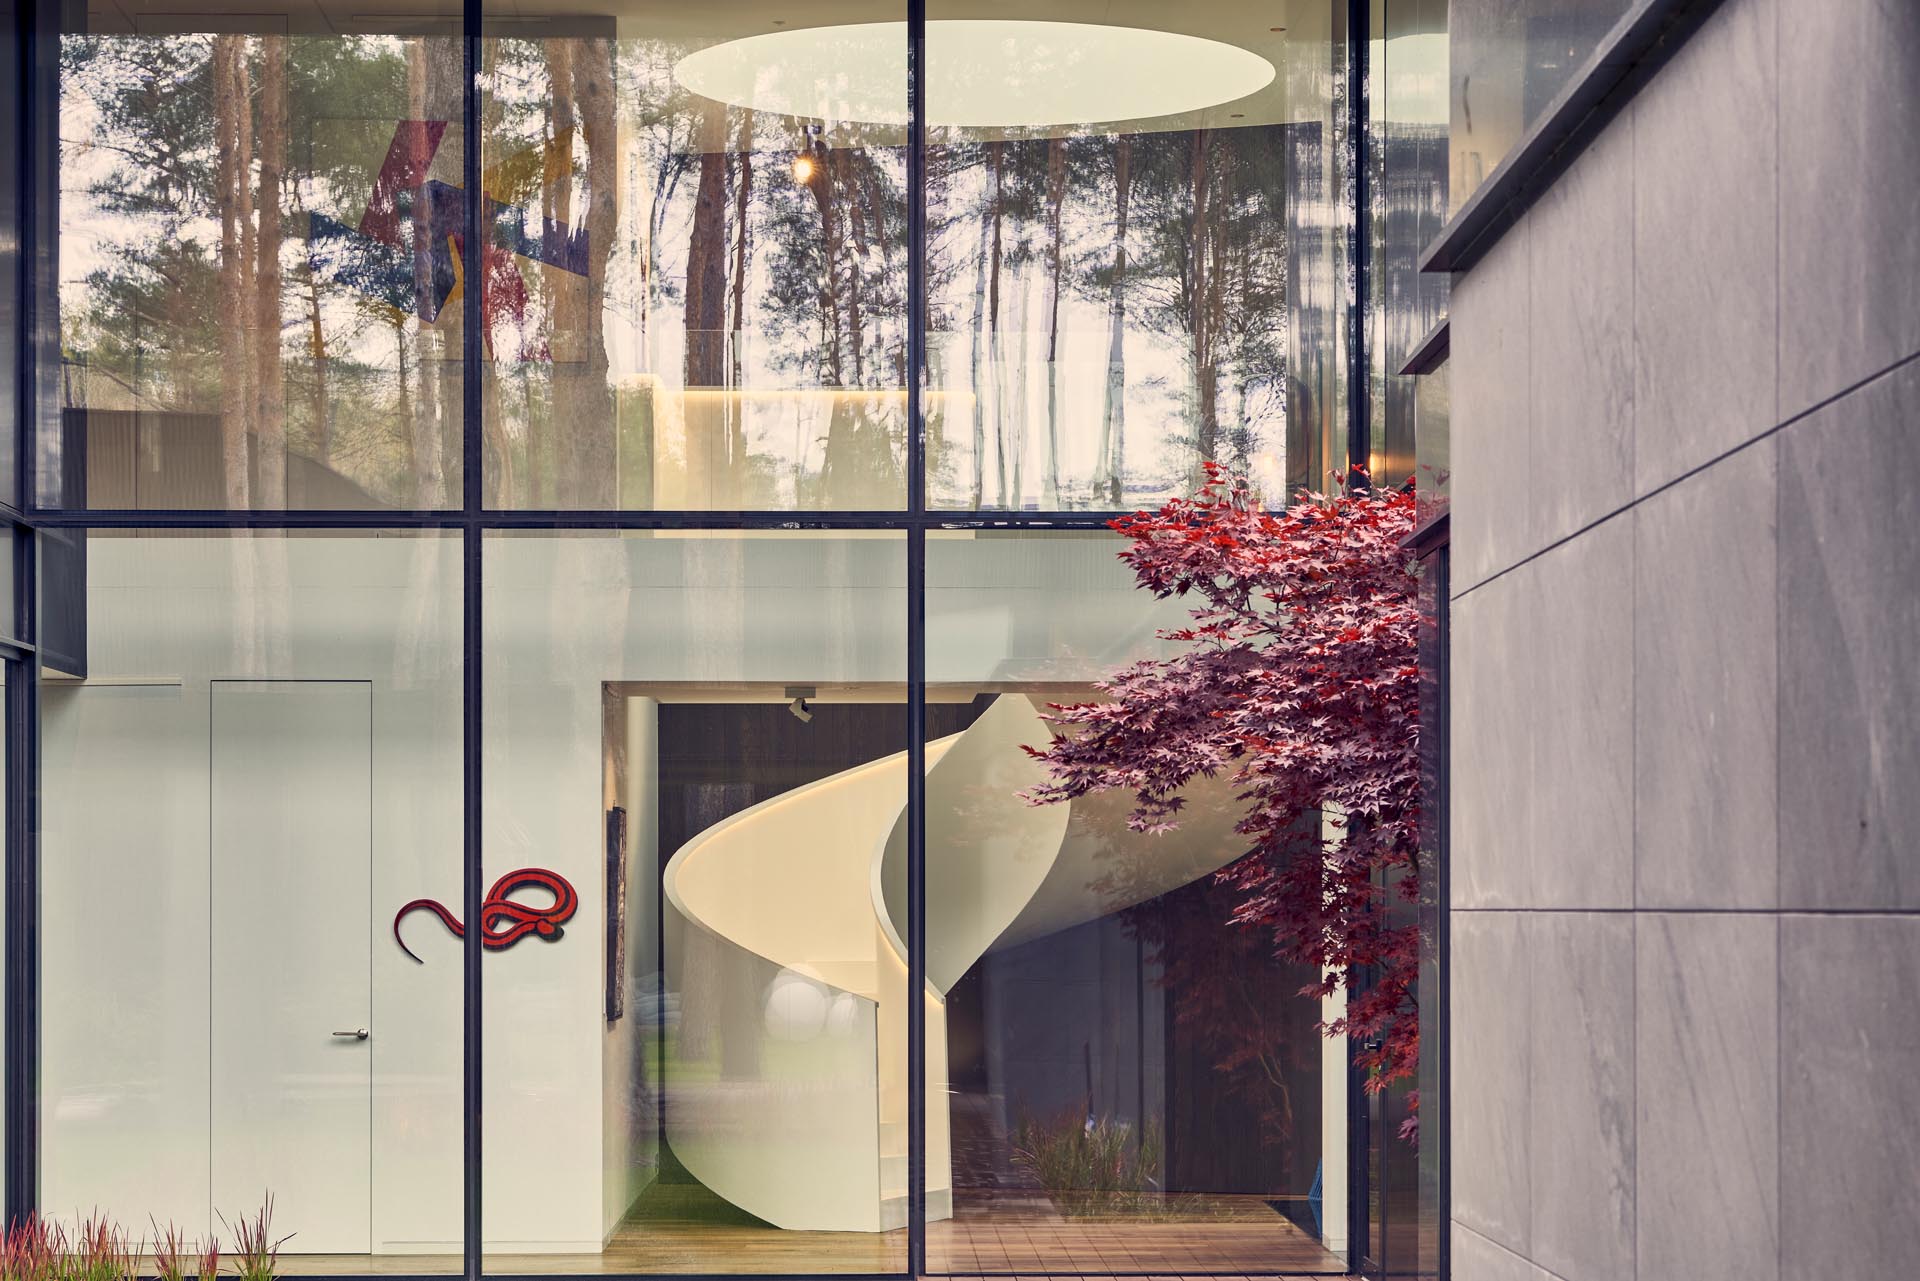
(1231, 1246)
(1231, 1237)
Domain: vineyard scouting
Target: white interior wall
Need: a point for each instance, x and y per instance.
(125, 846)
(566, 614)
(124, 963)
(1333, 1095)
(125, 862)
(630, 1074)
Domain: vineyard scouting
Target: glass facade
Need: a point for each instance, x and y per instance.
(705, 732)
(260, 762)
(1423, 1200)
(1407, 75)
(1408, 71)
(259, 298)
(11, 68)
(695, 301)
(1510, 60)
(1112, 303)
(551, 533)
(1098, 1007)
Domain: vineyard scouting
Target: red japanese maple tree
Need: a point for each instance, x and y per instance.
(1299, 678)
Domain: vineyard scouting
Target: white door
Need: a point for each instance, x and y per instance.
(292, 1048)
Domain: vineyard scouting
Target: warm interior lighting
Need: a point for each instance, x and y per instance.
(980, 73)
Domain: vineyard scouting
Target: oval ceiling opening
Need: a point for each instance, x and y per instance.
(982, 73)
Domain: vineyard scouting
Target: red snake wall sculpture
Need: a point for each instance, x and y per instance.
(521, 920)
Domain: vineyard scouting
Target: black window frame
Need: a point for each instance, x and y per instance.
(48, 542)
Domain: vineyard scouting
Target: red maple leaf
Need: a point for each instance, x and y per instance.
(1299, 679)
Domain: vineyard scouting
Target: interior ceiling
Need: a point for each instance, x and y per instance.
(1291, 34)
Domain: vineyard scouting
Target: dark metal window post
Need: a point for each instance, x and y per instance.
(472, 490)
(30, 69)
(1360, 1138)
(1437, 1123)
(22, 952)
(916, 639)
(1359, 126)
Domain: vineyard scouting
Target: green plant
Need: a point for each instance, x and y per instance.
(99, 1251)
(256, 1254)
(210, 1259)
(174, 1258)
(1094, 1168)
(29, 1250)
(169, 1252)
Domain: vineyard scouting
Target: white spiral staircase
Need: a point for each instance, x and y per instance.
(784, 929)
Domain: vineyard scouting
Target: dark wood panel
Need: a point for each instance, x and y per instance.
(717, 759)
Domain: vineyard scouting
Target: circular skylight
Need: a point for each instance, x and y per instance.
(980, 73)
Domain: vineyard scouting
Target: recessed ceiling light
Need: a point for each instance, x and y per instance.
(980, 73)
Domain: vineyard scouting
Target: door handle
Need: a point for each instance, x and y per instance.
(358, 1034)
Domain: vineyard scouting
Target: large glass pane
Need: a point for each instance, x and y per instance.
(1131, 1081)
(13, 139)
(695, 767)
(12, 539)
(1409, 149)
(696, 279)
(1407, 63)
(1134, 229)
(247, 789)
(1433, 453)
(6, 748)
(259, 247)
(1431, 1128)
(1511, 59)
